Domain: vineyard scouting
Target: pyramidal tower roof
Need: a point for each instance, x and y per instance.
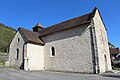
(38, 25)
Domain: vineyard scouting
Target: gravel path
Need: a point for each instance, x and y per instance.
(11, 74)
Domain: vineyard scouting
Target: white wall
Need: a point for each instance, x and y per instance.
(72, 50)
(35, 56)
(102, 43)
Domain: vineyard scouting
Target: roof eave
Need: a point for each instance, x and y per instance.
(42, 44)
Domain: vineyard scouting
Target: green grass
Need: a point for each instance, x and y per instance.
(2, 63)
(6, 35)
(116, 68)
(3, 54)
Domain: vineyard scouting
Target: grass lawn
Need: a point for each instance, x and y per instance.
(116, 68)
(2, 63)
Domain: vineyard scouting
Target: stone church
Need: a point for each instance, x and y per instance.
(76, 45)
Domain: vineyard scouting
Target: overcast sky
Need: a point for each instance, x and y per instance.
(26, 13)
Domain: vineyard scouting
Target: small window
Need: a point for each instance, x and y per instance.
(18, 40)
(17, 54)
(52, 51)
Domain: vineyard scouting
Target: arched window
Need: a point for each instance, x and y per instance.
(18, 40)
(17, 54)
(52, 51)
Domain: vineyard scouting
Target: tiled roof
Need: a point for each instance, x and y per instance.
(114, 50)
(30, 36)
(67, 24)
(85, 19)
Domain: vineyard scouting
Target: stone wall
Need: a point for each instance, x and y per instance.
(72, 50)
(102, 44)
(15, 44)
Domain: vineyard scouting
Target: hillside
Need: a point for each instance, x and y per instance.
(6, 35)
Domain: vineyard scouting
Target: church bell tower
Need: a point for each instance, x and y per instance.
(37, 27)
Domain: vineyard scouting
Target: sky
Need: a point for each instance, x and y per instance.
(26, 13)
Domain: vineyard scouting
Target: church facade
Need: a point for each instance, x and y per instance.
(76, 45)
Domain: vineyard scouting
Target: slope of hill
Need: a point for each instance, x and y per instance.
(6, 35)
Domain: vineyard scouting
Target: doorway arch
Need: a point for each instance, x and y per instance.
(105, 60)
